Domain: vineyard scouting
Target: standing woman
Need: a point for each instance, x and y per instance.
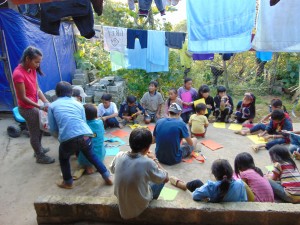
(28, 93)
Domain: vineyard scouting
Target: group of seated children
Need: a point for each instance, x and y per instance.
(140, 179)
(186, 96)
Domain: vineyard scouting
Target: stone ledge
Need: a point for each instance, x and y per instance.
(70, 209)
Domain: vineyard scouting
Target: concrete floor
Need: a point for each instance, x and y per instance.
(23, 180)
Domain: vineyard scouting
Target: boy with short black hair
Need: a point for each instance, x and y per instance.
(138, 179)
(198, 121)
(152, 102)
(279, 121)
(108, 112)
(224, 105)
(130, 109)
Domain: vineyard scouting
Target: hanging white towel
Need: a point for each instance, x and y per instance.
(278, 28)
(220, 26)
(115, 38)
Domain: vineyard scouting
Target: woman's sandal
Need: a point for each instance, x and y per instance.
(177, 183)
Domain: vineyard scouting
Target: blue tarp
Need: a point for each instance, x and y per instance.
(20, 32)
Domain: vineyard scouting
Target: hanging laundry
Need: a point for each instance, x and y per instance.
(118, 60)
(137, 57)
(220, 26)
(264, 56)
(145, 5)
(170, 2)
(175, 39)
(277, 28)
(115, 38)
(80, 10)
(273, 2)
(132, 34)
(203, 56)
(157, 52)
(98, 6)
(226, 56)
(131, 4)
(185, 56)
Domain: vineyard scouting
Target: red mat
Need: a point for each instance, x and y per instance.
(119, 133)
(211, 144)
(151, 127)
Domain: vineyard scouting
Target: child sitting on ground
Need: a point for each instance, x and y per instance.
(97, 128)
(138, 179)
(173, 98)
(285, 177)
(224, 189)
(275, 104)
(198, 121)
(130, 109)
(246, 170)
(108, 112)
(278, 122)
(245, 110)
(203, 92)
(294, 147)
(152, 102)
(224, 105)
(187, 94)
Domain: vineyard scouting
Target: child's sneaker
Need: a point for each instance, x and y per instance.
(143, 13)
(163, 12)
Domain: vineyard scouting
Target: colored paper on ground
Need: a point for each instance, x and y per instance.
(270, 168)
(134, 126)
(219, 125)
(112, 151)
(151, 127)
(256, 140)
(234, 126)
(115, 139)
(201, 100)
(211, 144)
(187, 160)
(168, 194)
(119, 133)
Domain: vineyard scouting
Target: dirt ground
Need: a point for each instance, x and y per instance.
(23, 180)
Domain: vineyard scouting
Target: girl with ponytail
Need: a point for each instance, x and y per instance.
(246, 170)
(224, 189)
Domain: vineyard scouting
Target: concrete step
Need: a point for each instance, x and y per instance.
(86, 209)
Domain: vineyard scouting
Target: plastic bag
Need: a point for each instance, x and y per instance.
(43, 117)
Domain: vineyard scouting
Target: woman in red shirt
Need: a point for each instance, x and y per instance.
(28, 93)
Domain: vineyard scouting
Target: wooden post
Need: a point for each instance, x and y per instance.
(225, 74)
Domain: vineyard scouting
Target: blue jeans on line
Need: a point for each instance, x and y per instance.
(85, 145)
(279, 191)
(156, 189)
(146, 4)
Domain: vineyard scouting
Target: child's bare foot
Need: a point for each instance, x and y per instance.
(89, 170)
(120, 126)
(108, 181)
(241, 132)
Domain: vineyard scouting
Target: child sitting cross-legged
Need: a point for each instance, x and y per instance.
(245, 110)
(130, 109)
(273, 131)
(285, 177)
(198, 121)
(223, 105)
(173, 98)
(246, 170)
(139, 177)
(224, 189)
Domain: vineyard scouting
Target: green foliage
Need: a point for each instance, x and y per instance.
(289, 69)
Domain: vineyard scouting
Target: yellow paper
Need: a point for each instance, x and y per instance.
(256, 139)
(234, 126)
(136, 126)
(201, 100)
(219, 125)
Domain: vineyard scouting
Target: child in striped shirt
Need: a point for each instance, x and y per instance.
(285, 177)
